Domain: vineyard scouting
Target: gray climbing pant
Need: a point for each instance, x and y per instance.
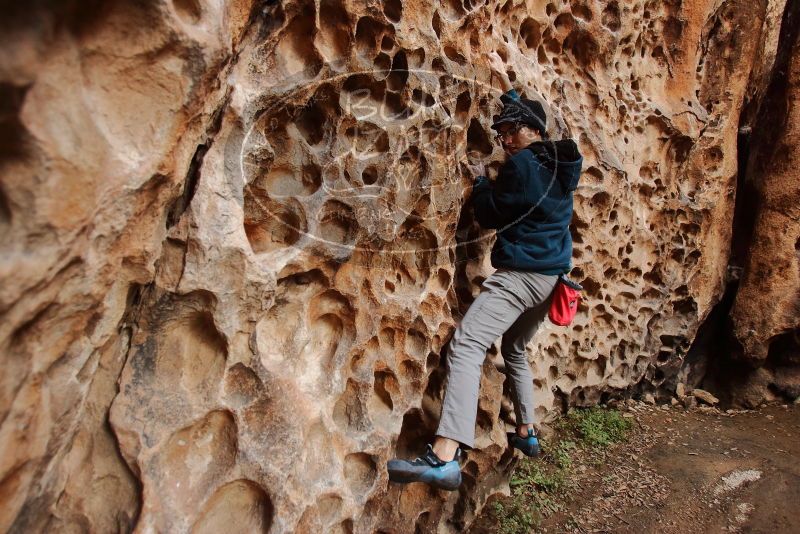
(512, 304)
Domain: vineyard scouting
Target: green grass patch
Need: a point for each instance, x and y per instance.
(598, 427)
(514, 517)
(540, 486)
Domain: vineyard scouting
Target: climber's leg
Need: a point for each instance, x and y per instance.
(506, 296)
(513, 350)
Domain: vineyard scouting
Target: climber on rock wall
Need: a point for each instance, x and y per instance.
(530, 206)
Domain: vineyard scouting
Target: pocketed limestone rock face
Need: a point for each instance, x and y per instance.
(233, 244)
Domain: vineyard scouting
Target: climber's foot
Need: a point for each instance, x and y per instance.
(429, 469)
(529, 446)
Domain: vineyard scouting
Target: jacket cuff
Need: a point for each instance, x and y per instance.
(480, 183)
(513, 94)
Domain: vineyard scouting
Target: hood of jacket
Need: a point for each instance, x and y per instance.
(561, 157)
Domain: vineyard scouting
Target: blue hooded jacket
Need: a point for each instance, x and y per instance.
(530, 206)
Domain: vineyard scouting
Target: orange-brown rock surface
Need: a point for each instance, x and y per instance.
(766, 312)
(233, 244)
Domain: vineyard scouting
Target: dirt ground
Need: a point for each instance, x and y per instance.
(692, 471)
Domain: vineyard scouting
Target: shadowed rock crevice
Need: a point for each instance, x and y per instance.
(181, 203)
(765, 313)
(13, 137)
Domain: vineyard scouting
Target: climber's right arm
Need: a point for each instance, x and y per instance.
(502, 202)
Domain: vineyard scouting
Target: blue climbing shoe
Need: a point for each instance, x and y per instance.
(429, 469)
(529, 446)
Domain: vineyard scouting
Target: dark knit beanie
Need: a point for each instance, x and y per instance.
(528, 112)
